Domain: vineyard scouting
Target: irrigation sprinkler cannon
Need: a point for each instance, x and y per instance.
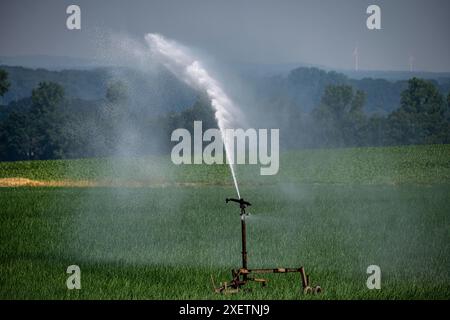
(243, 275)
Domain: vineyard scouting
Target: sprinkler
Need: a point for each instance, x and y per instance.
(243, 275)
(242, 204)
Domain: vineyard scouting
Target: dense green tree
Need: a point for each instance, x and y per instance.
(375, 131)
(4, 83)
(47, 118)
(17, 140)
(47, 97)
(340, 117)
(164, 125)
(421, 116)
(200, 111)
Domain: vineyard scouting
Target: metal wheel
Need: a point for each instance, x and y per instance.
(308, 290)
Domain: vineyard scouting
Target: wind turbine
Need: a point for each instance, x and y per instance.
(356, 56)
(411, 63)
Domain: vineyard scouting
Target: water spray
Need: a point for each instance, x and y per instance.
(186, 67)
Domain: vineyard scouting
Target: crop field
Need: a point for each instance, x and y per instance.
(146, 229)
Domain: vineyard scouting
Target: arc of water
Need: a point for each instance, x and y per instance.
(186, 67)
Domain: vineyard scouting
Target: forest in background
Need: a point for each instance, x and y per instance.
(95, 113)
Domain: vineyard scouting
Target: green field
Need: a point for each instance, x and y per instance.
(333, 211)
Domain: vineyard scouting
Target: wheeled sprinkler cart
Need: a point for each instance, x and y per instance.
(243, 275)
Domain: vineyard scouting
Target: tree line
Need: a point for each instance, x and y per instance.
(423, 117)
(49, 125)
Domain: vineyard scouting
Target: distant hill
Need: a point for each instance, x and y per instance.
(58, 63)
(49, 62)
(283, 69)
(161, 92)
(394, 75)
(158, 93)
(303, 88)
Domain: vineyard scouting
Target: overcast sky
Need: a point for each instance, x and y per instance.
(323, 32)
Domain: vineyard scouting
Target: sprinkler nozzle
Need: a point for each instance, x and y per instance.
(242, 202)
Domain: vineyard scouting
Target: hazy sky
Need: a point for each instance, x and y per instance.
(313, 31)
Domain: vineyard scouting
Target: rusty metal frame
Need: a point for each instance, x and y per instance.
(242, 276)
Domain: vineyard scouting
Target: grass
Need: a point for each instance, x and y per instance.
(393, 165)
(334, 211)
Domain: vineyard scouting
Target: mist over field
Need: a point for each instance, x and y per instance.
(87, 173)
